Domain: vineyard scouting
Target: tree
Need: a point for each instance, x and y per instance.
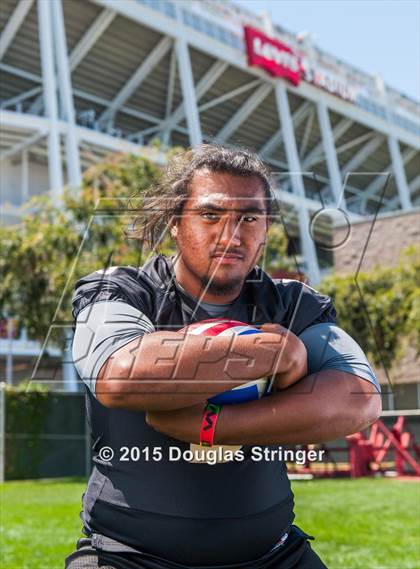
(53, 246)
(381, 310)
(276, 256)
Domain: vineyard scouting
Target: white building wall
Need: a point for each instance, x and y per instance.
(12, 181)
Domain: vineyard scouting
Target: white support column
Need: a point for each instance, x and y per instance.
(308, 246)
(170, 95)
(188, 92)
(84, 45)
(398, 168)
(70, 379)
(171, 83)
(55, 173)
(72, 144)
(331, 156)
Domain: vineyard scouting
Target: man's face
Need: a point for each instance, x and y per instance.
(220, 235)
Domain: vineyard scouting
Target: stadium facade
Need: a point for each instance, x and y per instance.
(80, 79)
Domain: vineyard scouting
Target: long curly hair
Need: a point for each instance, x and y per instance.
(165, 200)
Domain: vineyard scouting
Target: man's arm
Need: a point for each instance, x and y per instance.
(127, 364)
(340, 396)
(170, 370)
(321, 407)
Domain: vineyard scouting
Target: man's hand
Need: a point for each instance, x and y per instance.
(297, 347)
(274, 328)
(181, 424)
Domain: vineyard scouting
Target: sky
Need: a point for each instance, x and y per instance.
(377, 36)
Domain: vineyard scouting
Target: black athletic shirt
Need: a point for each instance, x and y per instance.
(189, 513)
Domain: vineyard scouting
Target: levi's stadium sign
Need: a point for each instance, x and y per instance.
(273, 55)
(281, 61)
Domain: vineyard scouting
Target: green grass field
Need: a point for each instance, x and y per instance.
(358, 524)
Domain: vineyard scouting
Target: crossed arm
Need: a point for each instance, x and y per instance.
(319, 408)
(166, 371)
(172, 385)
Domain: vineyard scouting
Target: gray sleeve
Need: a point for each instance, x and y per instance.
(101, 329)
(330, 347)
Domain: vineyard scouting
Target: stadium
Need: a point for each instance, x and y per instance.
(83, 79)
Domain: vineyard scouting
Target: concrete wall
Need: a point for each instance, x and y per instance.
(11, 180)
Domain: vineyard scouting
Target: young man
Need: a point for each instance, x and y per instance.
(148, 383)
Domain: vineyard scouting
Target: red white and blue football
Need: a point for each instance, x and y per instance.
(249, 391)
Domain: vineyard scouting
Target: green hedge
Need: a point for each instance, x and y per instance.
(44, 434)
(381, 308)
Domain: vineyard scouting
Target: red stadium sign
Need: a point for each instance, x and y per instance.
(274, 56)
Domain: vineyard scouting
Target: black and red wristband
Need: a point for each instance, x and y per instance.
(208, 424)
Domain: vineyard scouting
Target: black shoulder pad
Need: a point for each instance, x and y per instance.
(126, 284)
(304, 305)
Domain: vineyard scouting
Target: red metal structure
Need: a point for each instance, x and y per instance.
(381, 450)
(367, 454)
